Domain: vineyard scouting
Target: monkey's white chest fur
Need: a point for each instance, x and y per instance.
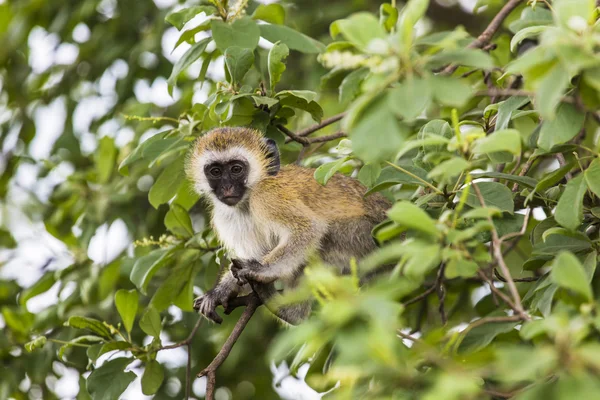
(243, 236)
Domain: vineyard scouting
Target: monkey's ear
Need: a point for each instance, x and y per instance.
(273, 157)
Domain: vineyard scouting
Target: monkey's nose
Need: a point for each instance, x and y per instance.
(228, 191)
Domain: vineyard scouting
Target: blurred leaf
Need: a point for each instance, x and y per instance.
(277, 54)
(359, 29)
(36, 343)
(127, 305)
(569, 211)
(410, 98)
(153, 377)
(350, 87)
(150, 322)
(105, 158)
(238, 61)
(243, 33)
(567, 272)
(327, 170)
(180, 17)
(564, 127)
(412, 217)
(592, 177)
(110, 380)
(146, 266)
(178, 221)
(494, 194)
(468, 57)
(191, 55)
(480, 336)
(272, 13)
(500, 140)
(90, 324)
(291, 38)
(167, 184)
(450, 91)
(388, 16)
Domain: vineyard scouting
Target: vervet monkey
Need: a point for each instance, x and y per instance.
(270, 219)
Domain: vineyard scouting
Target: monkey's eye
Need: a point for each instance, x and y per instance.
(215, 171)
(237, 169)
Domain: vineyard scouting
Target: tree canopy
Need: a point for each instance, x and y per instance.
(481, 127)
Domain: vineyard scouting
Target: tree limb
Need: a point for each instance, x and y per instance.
(485, 37)
(253, 302)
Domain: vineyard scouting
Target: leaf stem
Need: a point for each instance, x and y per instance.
(429, 185)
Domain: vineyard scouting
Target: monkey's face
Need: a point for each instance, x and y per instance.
(227, 180)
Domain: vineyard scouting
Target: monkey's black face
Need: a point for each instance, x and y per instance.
(227, 180)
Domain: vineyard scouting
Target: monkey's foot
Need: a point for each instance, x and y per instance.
(244, 271)
(206, 305)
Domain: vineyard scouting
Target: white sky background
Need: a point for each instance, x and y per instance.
(37, 247)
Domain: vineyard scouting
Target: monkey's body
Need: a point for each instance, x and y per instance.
(280, 219)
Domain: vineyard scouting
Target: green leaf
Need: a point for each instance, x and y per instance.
(592, 176)
(95, 351)
(388, 16)
(147, 151)
(449, 91)
(168, 291)
(506, 110)
(448, 169)
(146, 266)
(408, 215)
(502, 140)
(110, 380)
(494, 194)
(276, 66)
(460, 267)
(89, 324)
(568, 10)
(127, 305)
(468, 57)
(150, 322)
(369, 173)
(36, 343)
(273, 13)
(567, 272)
(480, 336)
(350, 87)
(180, 17)
(191, 55)
(410, 98)
(327, 170)
(525, 34)
(105, 158)
(391, 176)
(412, 12)
(167, 184)
(359, 29)
(523, 180)
(564, 127)
(569, 211)
(74, 342)
(243, 33)
(303, 100)
(178, 221)
(238, 61)
(557, 243)
(551, 89)
(153, 377)
(41, 286)
(291, 38)
(377, 135)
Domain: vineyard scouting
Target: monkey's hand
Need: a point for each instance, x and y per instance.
(251, 270)
(209, 301)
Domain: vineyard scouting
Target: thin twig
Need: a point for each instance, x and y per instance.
(497, 251)
(321, 125)
(188, 373)
(187, 340)
(327, 138)
(521, 231)
(293, 136)
(485, 37)
(441, 292)
(408, 337)
(424, 182)
(210, 371)
(497, 291)
(420, 297)
(524, 171)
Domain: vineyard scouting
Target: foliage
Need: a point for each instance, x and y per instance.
(489, 151)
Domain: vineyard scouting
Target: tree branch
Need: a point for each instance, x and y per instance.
(485, 37)
(311, 129)
(497, 251)
(253, 302)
